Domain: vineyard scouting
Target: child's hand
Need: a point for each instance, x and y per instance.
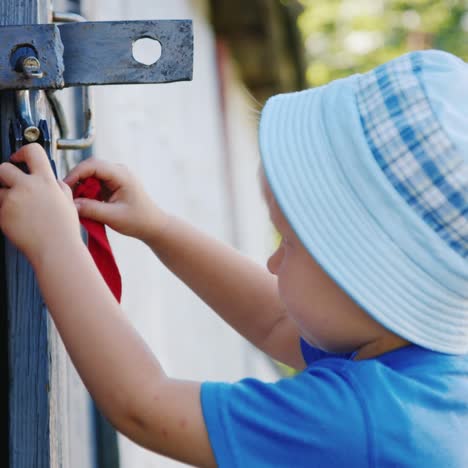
(36, 210)
(126, 208)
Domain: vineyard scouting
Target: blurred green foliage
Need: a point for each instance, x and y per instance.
(349, 36)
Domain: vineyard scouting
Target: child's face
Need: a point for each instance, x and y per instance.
(325, 315)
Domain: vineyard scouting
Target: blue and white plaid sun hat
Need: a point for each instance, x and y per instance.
(371, 172)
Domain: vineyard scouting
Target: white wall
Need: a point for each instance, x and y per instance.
(172, 137)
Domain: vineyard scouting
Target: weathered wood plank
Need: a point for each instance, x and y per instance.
(24, 12)
(27, 347)
(28, 353)
(29, 370)
(45, 409)
(4, 371)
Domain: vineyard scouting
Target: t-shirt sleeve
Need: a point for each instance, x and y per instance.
(311, 354)
(313, 419)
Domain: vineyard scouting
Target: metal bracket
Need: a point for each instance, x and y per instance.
(98, 53)
(93, 53)
(44, 41)
(81, 53)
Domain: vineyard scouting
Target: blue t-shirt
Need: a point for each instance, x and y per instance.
(405, 408)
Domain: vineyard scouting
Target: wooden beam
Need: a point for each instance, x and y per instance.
(27, 320)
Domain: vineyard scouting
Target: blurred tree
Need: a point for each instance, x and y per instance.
(348, 36)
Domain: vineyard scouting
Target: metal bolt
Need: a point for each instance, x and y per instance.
(31, 67)
(31, 134)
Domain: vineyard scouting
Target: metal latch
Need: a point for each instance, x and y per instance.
(51, 56)
(81, 53)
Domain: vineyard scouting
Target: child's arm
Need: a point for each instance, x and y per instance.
(124, 378)
(239, 290)
(243, 293)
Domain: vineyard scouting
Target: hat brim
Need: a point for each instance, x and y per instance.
(319, 167)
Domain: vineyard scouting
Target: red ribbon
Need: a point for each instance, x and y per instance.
(98, 243)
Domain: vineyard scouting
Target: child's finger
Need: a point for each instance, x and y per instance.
(110, 174)
(66, 189)
(10, 175)
(79, 172)
(94, 209)
(35, 158)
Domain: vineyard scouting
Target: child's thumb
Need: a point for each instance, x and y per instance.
(93, 209)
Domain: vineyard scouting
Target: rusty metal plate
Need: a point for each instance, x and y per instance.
(99, 53)
(46, 42)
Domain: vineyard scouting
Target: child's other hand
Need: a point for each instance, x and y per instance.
(126, 208)
(36, 210)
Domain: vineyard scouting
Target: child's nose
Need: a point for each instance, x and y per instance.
(275, 260)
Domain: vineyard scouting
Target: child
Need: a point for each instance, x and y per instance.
(366, 179)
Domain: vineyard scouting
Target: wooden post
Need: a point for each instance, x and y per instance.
(45, 409)
(28, 350)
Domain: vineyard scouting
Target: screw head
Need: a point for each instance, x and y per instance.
(32, 67)
(31, 62)
(31, 134)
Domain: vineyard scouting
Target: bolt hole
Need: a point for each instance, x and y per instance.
(146, 51)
